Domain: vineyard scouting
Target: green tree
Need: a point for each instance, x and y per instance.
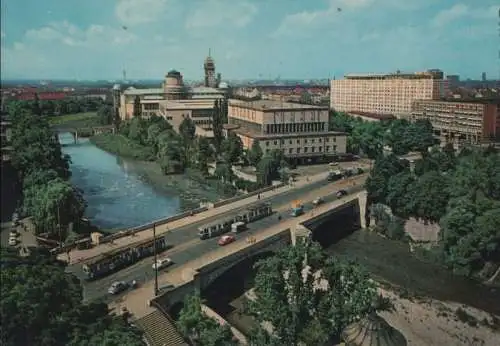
(308, 298)
(422, 134)
(224, 171)
(137, 107)
(187, 129)
(138, 130)
(384, 168)
(55, 203)
(37, 109)
(398, 187)
(41, 305)
(255, 153)
(428, 196)
(218, 124)
(105, 114)
(201, 329)
(232, 148)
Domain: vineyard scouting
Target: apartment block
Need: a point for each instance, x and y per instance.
(386, 93)
(299, 131)
(460, 122)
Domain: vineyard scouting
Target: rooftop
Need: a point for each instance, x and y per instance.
(256, 135)
(134, 91)
(271, 105)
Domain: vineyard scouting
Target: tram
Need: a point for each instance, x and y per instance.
(250, 214)
(108, 263)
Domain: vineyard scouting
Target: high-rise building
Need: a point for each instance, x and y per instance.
(483, 76)
(298, 131)
(386, 93)
(453, 80)
(209, 67)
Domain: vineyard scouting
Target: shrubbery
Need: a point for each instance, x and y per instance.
(122, 146)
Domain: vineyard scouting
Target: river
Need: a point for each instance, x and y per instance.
(115, 189)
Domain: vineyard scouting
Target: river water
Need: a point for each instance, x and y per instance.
(116, 191)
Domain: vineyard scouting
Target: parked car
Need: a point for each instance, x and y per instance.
(162, 263)
(12, 241)
(226, 239)
(318, 201)
(117, 287)
(341, 193)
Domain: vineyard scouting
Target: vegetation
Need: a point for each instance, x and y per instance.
(41, 305)
(44, 171)
(302, 297)
(460, 192)
(201, 329)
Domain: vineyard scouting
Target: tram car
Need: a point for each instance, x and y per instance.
(108, 263)
(250, 214)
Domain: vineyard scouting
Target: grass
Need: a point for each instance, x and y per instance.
(122, 146)
(78, 120)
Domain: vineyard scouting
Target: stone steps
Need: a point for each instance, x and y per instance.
(160, 330)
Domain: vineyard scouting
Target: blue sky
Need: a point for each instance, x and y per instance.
(249, 39)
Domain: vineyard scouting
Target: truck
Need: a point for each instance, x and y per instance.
(297, 208)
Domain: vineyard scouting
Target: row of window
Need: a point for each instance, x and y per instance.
(306, 150)
(295, 127)
(313, 140)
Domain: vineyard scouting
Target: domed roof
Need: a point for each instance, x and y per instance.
(173, 73)
(373, 330)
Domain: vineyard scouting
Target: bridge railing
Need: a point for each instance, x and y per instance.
(250, 194)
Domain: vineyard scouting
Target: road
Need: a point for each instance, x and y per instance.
(187, 245)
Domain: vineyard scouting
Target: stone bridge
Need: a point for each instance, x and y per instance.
(204, 276)
(86, 131)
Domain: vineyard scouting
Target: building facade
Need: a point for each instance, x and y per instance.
(386, 93)
(174, 101)
(460, 122)
(298, 131)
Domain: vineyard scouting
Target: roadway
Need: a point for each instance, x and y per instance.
(188, 246)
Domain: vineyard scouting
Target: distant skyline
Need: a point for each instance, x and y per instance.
(254, 39)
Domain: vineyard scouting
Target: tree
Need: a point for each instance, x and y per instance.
(422, 134)
(36, 110)
(232, 148)
(255, 153)
(398, 188)
(41, 305)
(200, 328)
(137, 107)
(384, 168)
(224, 171)
(427, 197)
(55, 203)
(138, 130)
(187, 129)
(308, 298)
(105, 114)
(217, 124)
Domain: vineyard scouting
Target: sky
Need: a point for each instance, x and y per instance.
(257, 39)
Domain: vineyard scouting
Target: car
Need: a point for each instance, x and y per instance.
(12, 241)
(117, 287)
(318, 201)
(226, 239)
(162, 263)
(341, 193)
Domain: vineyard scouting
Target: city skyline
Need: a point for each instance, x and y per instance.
(59, 39)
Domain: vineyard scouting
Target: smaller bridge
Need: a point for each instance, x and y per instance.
(85, 131)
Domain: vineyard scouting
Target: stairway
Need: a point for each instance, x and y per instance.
(160, 330)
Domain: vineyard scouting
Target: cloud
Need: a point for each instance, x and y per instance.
(69, 34)
(133, 12)
(214, 13)
(296, 23)
(462, 11)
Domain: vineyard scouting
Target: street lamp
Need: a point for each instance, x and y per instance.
(156, 262)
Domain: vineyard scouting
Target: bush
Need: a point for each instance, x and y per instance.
(122, 146)
(246, 185)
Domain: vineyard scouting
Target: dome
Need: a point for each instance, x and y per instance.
(372, 331)
(173, 73)
(116, 87)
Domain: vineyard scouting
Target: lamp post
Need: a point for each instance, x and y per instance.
(156, 262)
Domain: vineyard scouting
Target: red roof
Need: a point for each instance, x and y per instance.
(46, 96)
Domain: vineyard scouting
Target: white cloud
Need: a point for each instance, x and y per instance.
(133, 12)
(69, 34)
(213, 13)
(296, 23)
(462, 11)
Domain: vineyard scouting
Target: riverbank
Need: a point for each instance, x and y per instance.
(77, 120)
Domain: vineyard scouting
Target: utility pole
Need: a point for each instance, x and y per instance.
(156, 262)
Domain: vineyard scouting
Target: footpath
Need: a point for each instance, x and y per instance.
(77, 256)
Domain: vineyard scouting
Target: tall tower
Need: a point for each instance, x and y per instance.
(209, 66)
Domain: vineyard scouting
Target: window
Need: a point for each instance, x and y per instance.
(305, 149)
(267, 151)
(327, 148)
(290, 150)
(298, 141)
(312, 140)
(305, 140)
(298, 150)
(319, 140)
(267, 143)
(320, 148)
(327, 139)
(290, 142)
(313, 149)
